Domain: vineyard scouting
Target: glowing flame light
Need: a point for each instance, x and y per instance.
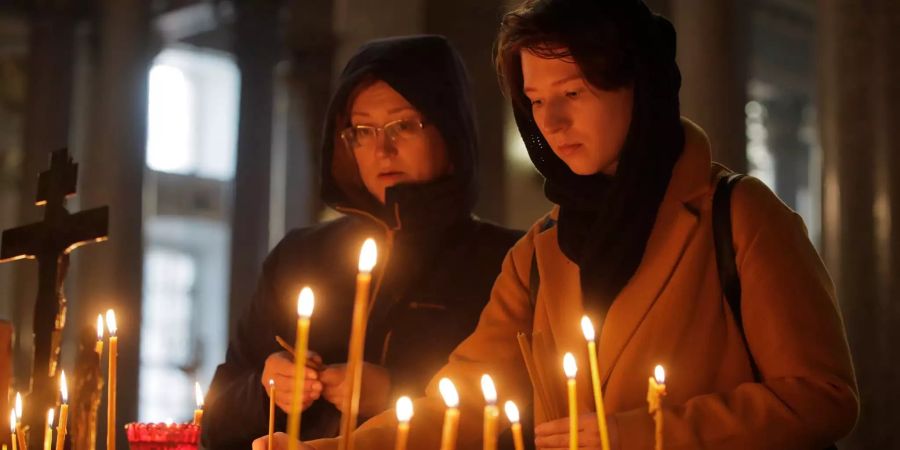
(512, 411)
(305, 303)
(569, 365)
(368, 256)
(660, 374)
(99, 327)
(12, 420)
(50, 414)
(198, 393)
(111, 322)
(404, 409)
(489, 390)
(64, 387)
(18, 406)
(587, 328)
(448, 391)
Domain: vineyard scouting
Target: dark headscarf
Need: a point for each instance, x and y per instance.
(605, 221)
(430, 75)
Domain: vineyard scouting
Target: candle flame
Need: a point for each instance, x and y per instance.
(271, 383)
(198, 393)
(512, 411)
(18, 406)
(489, 390)
(99, 327)
(368, 255)
(305, 303)
(50, 414)
(404, 409)
(660, 374)
(64, 387)
(569, 365)
(587, 328)
(12, 421)
(448, 391)
(111, 322)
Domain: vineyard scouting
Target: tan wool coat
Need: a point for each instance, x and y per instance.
(672, 312)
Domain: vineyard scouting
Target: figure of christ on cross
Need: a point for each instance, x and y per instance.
(50, 242)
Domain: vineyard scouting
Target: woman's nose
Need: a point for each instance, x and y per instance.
(556, 117)
(384, 146)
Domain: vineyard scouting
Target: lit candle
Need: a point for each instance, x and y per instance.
(588, 328)
(491, 413)
(655, 392)
(571, 369)
(512, 413)
(20, 434)
(305, 304)
(368, 255)
(63, 412)
(111, 392)
(198, 413)
(99, 346)
(48, 431)
(451, 417)
(271, 409)
(13, 425)
(404, 414)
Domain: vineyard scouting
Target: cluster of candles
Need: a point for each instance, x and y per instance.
(404, 407)
(19, 442)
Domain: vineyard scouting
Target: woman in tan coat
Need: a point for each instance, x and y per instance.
(594, 87)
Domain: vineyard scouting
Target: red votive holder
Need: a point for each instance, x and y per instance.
(161, 436)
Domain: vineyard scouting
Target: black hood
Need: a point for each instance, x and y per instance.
(429, 73)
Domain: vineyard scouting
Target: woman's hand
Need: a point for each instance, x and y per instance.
(279, 442)
(375, 393)
(280, 367)
(554, 435)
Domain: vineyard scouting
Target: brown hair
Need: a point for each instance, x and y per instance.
(600, 36)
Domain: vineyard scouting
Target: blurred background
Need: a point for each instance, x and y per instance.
(198, 122)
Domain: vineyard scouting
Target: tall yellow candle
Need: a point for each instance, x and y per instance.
(305, 304)
(12, 429)
(656, 390)
(198, 395)
(451, 416)
(20, 433)
(588, 329)
(48, 430)
(63, 412)
(99, 346)
(512, 413)
(404, 414)
(111, 381)
(367, 257)
(271, 409)
(491, 413)
(571, 369)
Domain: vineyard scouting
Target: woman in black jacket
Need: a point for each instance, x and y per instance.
(398, 159)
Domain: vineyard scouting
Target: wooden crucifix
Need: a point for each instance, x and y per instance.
(50, 242)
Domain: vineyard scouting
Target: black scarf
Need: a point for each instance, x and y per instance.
(605, 221)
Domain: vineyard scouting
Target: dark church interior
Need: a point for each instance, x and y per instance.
(199, 122)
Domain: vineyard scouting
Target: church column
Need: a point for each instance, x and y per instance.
(859, 64)
(49, 101)
(472, 25)
(711, 56)
(256, 48)
(109, 275)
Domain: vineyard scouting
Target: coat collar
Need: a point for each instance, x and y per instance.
(675, 224)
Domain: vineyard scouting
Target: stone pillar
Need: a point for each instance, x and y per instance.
(47, 118)
(256, 48)
(109, 275)
(471, 25)
(859, 65)
(711, 55)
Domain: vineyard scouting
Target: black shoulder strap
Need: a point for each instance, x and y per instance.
(725, 256)
(534, 278)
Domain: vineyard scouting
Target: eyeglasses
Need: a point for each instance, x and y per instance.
(398, 131)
